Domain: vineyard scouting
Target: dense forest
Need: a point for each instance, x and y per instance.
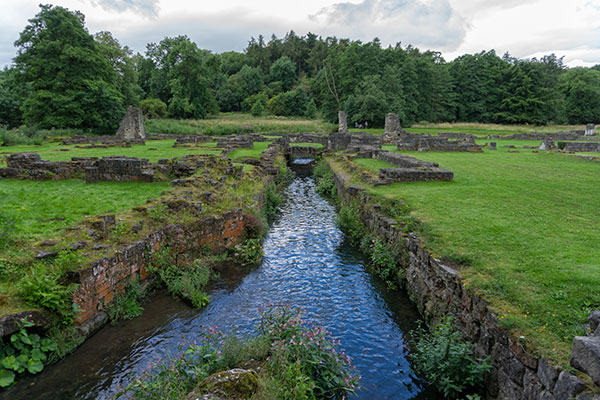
(64, 77)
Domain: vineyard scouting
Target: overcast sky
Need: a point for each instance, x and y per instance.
(525, 28)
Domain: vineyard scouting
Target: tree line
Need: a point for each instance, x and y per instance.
(64, 77)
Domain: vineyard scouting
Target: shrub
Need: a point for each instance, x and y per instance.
(348, 221)
(249, 252)
(384, 259)
(153, 108)
(127, 305)
(41, 287)
(445, 360)
(325, 182)
(271, 200)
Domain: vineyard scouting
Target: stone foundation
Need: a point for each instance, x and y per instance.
(579, 147)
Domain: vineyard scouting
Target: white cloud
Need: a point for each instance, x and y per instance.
(147, 8)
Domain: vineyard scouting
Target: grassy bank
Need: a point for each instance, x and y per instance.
(237, 123)
(526, 230)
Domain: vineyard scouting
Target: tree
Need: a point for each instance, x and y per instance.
(283, 70)
(72, 83)
(581, 88)
(153, 108)
(121, 59)
(182, 77)
(13, 94)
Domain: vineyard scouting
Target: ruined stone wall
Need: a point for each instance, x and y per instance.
(31, 166)
(437, 289)
(108, 277)
(106, 140)
(577, 147)
(119, 168)
(390, 175)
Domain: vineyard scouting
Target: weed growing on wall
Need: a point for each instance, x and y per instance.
(445, 360)
(127, 305)
(271, 200)
(248, 253)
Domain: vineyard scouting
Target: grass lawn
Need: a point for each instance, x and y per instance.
(315, 145)
(236, 123)
(254, 152)
(373, 165)
(528, 227)
(153, 150)
(479, 129)
(35, 204)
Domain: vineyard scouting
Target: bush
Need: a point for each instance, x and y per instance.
(153, 108)
(324, 178)
(445, 360)
(249, 253)
(348, 221)
(271, 200)
(127, 305)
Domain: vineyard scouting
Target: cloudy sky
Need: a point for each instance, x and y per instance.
(525, 28)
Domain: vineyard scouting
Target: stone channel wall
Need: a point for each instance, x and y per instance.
(108, 277)
(437, 289)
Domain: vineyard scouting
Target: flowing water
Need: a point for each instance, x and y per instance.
(307, 264)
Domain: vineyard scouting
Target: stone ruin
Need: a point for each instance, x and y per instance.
(119, 168)
(132, 125)
(31, 166)
(105, 141)
(577, 147)
(547, 144)
(443, 142)
(590, 130)
(392, 129)
(342, 121)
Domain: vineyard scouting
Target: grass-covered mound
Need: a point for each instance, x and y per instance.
(524, 229)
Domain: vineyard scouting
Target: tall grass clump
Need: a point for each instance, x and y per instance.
(324, 179)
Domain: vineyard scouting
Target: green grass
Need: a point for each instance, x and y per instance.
(476, 129)
(32, 203)
(529, 225)
(315, 145)
(373, 165)
(236, 123)
(160, 149)
(254, 152)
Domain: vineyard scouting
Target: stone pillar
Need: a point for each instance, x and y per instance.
(342, 121)
(492, 145)
(132, 125)
(392, 124)
(547, 144)
(590, 130)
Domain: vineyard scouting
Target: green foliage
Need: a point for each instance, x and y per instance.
(298, 361)
(446, 361)
(23, 352)
(325, 181)
(187, 282)
(121, 230)
(42, 287)
(283, 70)
(153, 108)
(8, 225)
(72, 84)
(159, 213)
(348, 220)
(248, 253)
(127, 305)
(69, 260)
(271, 200)
(12, 96)
(581, 88)
(291, 103)
(385, 258)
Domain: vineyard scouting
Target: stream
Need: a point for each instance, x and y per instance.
(308, 263)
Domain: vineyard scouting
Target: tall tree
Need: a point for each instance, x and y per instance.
(72, 84)
(13, 94)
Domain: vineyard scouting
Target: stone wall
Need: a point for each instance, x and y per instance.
(577, 147)
(573, 135)
(105, 140)
(304, 152)
(108, 277)
(31, 166)
(417, 142)
(119, 168)
(437, 289)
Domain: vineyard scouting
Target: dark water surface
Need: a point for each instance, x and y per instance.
(307, 264)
